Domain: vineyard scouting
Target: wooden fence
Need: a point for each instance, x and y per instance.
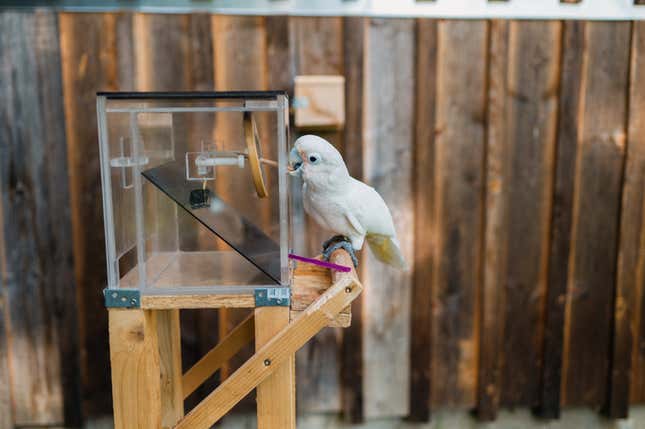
(511, 153)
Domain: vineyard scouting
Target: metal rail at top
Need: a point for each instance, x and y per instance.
(464, 9)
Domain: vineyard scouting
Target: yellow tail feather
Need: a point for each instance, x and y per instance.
(387, 250)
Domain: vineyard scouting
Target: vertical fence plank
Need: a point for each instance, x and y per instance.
(317, 48)
(534, 59)
(561, 218)
(39, 278)
(279, 65)
(352, 339)
(596, 212)
(389, 140)
(497, 184)
(421, 309)
(631, 273)
(631, 257)
(6, 413)
(458, 209)
(90, 64)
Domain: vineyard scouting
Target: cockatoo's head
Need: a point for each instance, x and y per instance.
(317, 161)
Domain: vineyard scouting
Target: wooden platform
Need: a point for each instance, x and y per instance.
(145, 352)
(308, 283)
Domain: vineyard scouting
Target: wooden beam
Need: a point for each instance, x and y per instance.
(167, 302)
(276, 395)
(491, 301)
(351, 348)
(239, 337)
(388, 163)
(458, 210)
(6, 412)
(634, 191)
(91, 60)
(422, 285)
(278, 350)
(308, 284)
(134, 357)
(39, 286)
(169, 340)
(599, 172)
(626, 372)
(532, 108)
(561, 219)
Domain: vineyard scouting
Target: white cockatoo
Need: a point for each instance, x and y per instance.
(341, 204)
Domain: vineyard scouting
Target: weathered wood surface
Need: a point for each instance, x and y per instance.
(6, 413)
(424, 256)
(38, 279)
(309, 283)
(630, 280)
(459, 157)
(276, 395)
(632, 256)
(387, 165)
(599, 165)
(496, 199)
(91, 61)
(561, 219)
(351, 352)
(135, 368)
(524, 226)
(532, 100)
(169, 346)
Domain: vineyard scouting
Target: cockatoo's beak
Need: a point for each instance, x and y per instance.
(295, 162)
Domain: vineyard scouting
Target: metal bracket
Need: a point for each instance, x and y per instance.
(122, 298)
(273, 297)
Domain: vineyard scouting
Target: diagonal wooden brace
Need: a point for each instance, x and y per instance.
(267, 359)
(240, 336)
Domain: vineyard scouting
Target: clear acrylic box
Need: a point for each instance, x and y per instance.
(195, 191)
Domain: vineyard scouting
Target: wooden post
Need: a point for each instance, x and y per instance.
(169, 340)
(276, 396)
(136, 381)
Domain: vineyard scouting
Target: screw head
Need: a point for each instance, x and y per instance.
(133, 301)
(267, 362)
(348, 289)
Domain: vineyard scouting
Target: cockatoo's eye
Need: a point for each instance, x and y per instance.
(314, 158)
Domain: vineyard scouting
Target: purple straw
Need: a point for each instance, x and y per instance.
(320, 263)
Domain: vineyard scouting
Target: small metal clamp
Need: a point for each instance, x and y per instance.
(273, 297)
(122, 298)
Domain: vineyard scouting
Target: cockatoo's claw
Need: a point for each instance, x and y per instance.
(339, 242)
(334, 239)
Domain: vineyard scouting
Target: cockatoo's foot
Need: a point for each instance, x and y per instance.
(334, 239)
(339, 242)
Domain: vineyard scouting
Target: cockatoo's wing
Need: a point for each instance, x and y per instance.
(368, 214)
(368, 210)
(387, 250)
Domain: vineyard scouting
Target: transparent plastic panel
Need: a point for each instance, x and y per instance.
(194, 198)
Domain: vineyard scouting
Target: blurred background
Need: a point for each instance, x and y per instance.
(512, 156)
